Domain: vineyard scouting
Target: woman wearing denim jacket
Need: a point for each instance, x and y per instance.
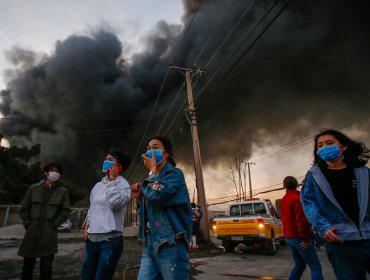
(105, 219)
(165, 215)
(336, 201)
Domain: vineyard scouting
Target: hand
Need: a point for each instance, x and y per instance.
(135, 190)
(150, 163)
(113, 172)
(305, 245)
(86, 234)
(330, 236)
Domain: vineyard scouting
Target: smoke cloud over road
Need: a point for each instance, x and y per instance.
(307, 71)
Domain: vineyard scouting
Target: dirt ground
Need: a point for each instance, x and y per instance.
(68, 262)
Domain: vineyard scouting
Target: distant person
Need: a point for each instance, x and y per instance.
(336, 200)
(197, 215)
(45, 206)
(103, 232)
(297, 232)
(165, 215)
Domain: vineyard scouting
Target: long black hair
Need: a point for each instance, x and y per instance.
(167, 146)
(356, 154)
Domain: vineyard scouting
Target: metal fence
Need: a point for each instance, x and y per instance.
(9, 215)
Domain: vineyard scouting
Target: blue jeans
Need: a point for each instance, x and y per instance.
(301, 258)
(349, 260)
(171, 262)
(101, 259)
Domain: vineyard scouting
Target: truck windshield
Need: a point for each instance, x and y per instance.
(247, 209)
(234, 210)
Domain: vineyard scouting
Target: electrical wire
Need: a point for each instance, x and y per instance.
(229, 34)
(220, 68)
(169, 110)
(151, 114)
(238, 48)
(172, 61)
(214, 31)
(186, 31)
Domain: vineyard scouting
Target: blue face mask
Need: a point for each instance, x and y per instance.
(107, 164)
(158, 155)
(329, 153)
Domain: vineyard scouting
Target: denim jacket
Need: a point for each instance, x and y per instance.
(324, 212)
(165, 199)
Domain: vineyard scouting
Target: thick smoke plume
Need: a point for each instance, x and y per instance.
(307, 71)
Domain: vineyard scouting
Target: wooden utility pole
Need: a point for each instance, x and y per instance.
(249, 176)
(191, 116)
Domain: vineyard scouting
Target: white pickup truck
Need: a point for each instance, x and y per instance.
(253, 221)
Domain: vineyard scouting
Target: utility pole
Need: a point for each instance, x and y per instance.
(249, 176)
(191, 116)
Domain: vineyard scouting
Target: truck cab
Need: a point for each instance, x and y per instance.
(250, 222)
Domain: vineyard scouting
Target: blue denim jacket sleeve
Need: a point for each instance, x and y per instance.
(311, 206)
(164, 187)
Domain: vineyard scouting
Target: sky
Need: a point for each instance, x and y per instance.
(81, 76)
(37, 25)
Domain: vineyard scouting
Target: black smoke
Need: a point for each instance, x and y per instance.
(308, 70)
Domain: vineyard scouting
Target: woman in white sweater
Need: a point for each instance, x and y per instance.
(105, 219)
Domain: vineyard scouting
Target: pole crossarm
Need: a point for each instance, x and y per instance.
(194, 69)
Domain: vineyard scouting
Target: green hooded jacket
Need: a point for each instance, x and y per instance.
(43, 210)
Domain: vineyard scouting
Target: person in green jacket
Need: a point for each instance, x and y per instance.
(45, 206)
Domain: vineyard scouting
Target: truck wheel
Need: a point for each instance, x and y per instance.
(229, 246)
(271, 245)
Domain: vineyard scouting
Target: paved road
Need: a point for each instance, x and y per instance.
(245, 263)
(250, 263)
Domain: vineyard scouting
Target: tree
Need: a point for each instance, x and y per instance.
(238, 171)
(17, 173)
(74, 191)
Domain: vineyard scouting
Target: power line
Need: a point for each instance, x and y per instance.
(245, 52)
(186, 31)
(254, 193)
(172, 61)
(274, 190)
(305, 140)
(178, 111)
(229, 34)
(220, 68)
(183, 104)
(217, 203)
(169, 110)
(151, 115)
(214, 31)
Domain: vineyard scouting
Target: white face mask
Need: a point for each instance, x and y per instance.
(53, 176)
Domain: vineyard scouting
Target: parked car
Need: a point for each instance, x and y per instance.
(66, 226)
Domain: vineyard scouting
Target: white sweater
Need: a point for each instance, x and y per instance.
(108, 204)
